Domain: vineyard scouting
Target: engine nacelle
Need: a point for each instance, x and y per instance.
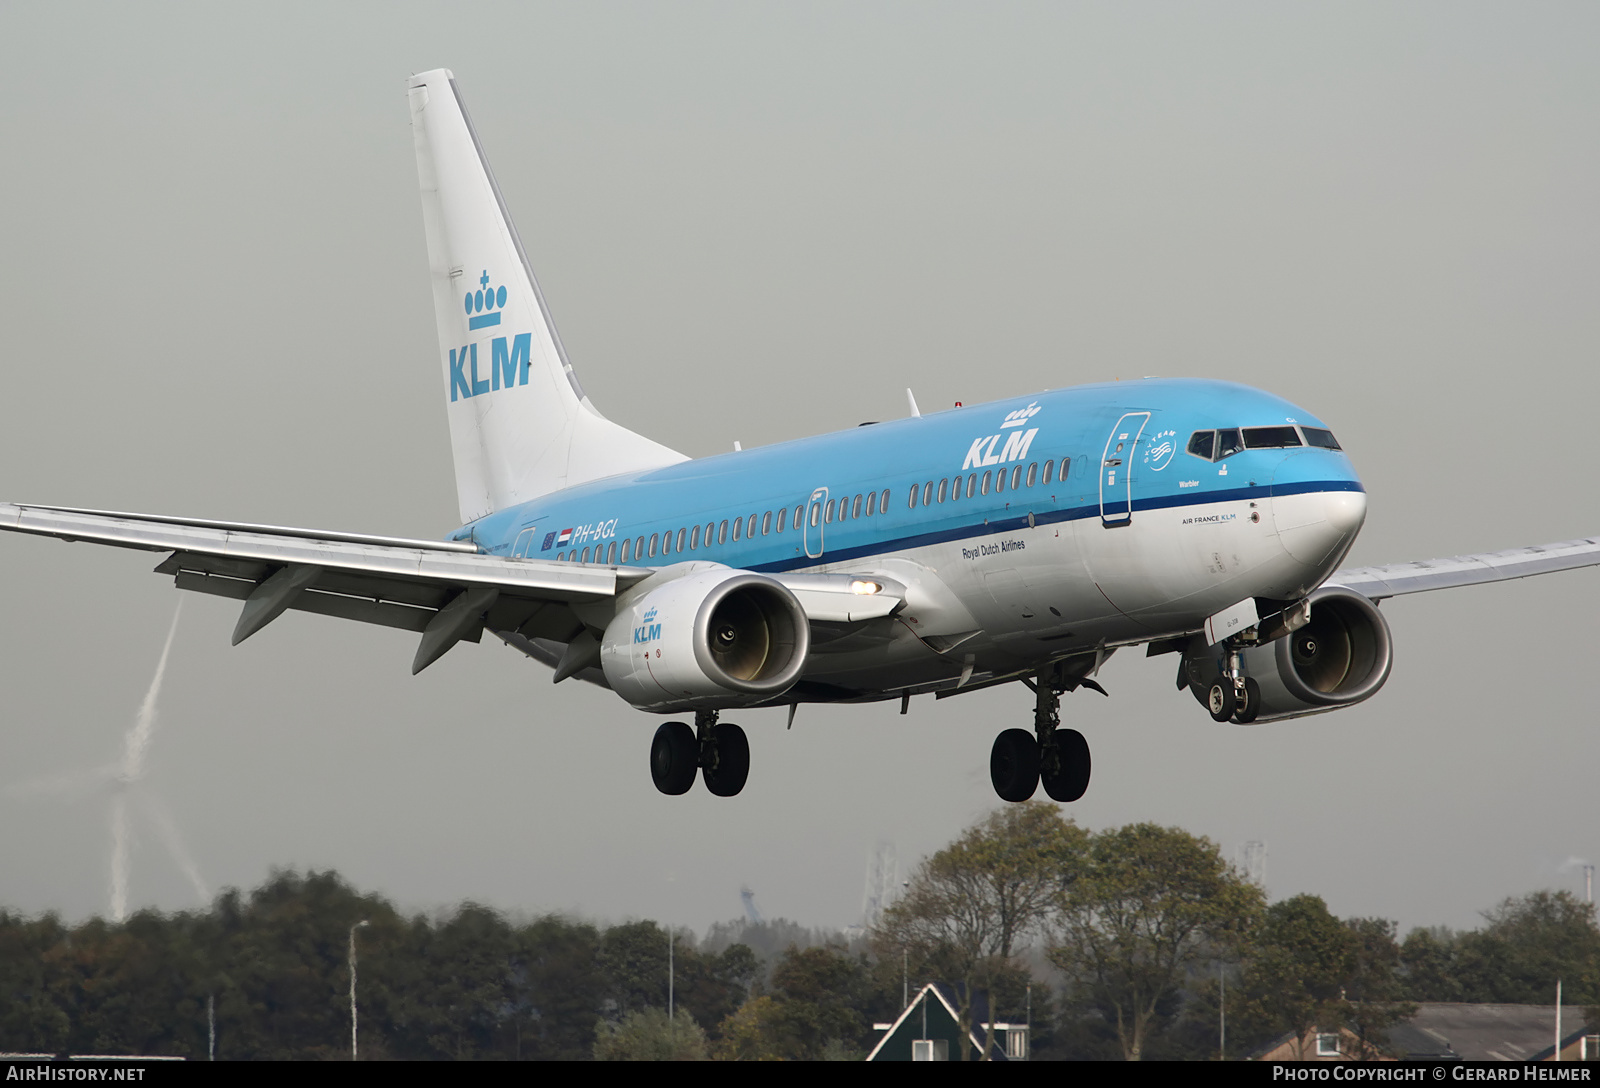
(707, 641)
(1340, 658)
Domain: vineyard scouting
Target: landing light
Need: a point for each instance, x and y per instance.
(865, 588)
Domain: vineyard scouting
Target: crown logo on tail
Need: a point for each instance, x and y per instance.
(484, 305)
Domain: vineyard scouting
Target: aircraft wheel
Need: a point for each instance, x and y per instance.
(1014, 765)
(730, 766)
(1220, 700)
(1250, 705)
(674, 756)
(1071, 779)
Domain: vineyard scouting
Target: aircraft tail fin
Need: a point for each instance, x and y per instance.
(520, 424)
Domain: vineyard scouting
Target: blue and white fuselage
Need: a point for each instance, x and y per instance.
(1009, 524)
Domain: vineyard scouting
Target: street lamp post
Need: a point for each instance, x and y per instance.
(358, 925)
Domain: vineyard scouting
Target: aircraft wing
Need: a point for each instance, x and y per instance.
(1468, 570)
(444, 590)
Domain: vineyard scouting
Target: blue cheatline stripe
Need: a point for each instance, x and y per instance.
(1015, 523)
(483, 321)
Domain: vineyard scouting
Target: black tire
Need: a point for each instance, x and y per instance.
(1249, 706)
(1071, 779)
(674, 757)
(726, 777)
(1014, 765)
(1220, 700)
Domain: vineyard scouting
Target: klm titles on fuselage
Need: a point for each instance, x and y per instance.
(982, 451)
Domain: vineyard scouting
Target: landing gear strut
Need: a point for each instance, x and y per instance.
(1233, 696)
(1056, 757)
(721, 753)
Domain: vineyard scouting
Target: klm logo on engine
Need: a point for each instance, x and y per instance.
(508, 363)
(982, 452)
(649, 632)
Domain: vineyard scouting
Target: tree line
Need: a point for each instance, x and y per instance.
(1131, 943)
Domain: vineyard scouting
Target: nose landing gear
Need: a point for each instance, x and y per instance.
(1233, 696)
(721, 753)
(1056, 757)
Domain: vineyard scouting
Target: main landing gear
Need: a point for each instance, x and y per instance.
(1233, 696)
(721, 753)
(1056, 757)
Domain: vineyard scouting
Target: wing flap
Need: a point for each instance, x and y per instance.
(1468, 570)
(445, 591)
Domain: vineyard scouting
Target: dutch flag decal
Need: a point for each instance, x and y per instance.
(564, 538)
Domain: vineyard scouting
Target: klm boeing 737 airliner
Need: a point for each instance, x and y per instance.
(1020, 541)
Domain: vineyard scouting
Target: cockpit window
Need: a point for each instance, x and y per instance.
(1224, 442)
(1317, 436)
(1270, 438)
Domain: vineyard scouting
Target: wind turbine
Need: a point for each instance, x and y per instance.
(122, 780)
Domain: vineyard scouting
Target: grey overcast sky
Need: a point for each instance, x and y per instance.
(756, 222)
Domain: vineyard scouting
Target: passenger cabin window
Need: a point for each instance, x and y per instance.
(883, 504)
(722, 533)
(872, 503)
(797, 512)
(766, 523)
(1016, 477)
(911, 499)
(750, 526)
(927, 493)
(855, 507)
(682, 533)
(827, 517)
(1033, 473)
(694, 538)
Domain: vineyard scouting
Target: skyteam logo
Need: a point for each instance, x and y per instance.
(484, 304)
(982, 451)
(508, 363)
(1159, 450)
(650, 631)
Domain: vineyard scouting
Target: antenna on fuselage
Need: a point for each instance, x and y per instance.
(912, 402)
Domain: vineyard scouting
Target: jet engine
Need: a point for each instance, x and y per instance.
(1340, 657)
(706, 641)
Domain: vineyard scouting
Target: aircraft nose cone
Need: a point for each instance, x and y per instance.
(1317, 526)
